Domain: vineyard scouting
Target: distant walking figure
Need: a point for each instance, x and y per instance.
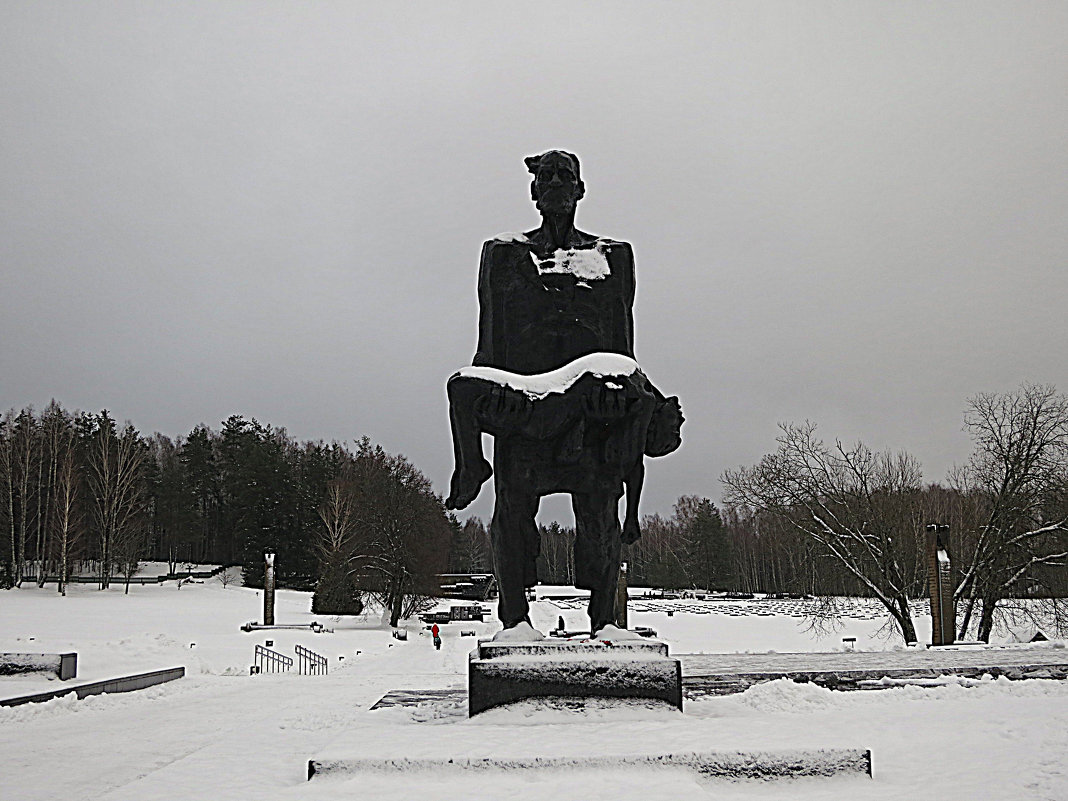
(434, 630)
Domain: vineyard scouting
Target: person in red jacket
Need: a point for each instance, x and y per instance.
(436, 632)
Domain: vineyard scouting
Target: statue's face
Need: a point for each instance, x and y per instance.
(556, 188)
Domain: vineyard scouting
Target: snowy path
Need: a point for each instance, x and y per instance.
(243, 737)
(202, 732)
(911, 659)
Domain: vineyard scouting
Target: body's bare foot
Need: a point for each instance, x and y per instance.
(466, 483)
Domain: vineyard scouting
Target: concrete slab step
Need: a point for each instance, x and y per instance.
(762, 765)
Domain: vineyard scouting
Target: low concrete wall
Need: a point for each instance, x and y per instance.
(120, 580)
(123, 684)
(63, 665)
(760, 765)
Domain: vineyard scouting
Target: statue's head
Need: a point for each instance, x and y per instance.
(664, 434)
(556, 187)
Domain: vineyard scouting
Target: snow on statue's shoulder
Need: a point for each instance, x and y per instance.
(559, 380)
(511, 236)
(521, 632)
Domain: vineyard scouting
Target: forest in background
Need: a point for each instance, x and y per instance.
(80, 492)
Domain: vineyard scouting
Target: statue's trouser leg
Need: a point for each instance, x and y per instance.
(464, 393)
(515, 539)
(597, 552)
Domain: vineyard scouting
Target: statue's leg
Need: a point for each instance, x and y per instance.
(515, 539)
(471, 468)
(597, 551)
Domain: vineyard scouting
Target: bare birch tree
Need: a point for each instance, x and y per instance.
(67, 517)
(55, 432)
(1019, 474)
(858, 506)
(336, 592)
(471, 552)
(115, 461)
(383, 522)
(7, 482)
(24, 435)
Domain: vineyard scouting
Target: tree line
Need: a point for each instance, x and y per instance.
(834, 520)
(81, 493)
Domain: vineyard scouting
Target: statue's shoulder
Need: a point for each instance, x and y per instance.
(506, 247)
(619, 253)
(607, 243)
(509, 237)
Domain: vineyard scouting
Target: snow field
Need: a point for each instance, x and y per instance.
(221, 733)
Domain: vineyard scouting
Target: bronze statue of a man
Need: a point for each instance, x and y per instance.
(555, 382)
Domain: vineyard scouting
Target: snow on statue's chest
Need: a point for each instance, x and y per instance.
(588, 264)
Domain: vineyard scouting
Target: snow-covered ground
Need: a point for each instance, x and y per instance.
(221, 733)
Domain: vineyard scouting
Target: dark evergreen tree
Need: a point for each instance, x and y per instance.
(708, 546)
(200, 475)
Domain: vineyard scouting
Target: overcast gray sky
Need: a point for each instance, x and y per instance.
(854, 213)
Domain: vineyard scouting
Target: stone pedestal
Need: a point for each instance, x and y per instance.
(503, 672)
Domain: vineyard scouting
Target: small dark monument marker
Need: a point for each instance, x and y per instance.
(554, 381)
(268, 589)
(940, 586)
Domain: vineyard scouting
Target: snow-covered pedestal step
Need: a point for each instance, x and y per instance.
(642, 648)
(504, 672)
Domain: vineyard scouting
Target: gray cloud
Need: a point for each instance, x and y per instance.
(849, 213)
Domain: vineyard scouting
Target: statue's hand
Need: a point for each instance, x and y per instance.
(506, 408)
(631, 531)
(605, 403)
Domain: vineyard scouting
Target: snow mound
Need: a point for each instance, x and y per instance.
(451, 710)
(522, 632)
(611, 633)
(68, 703)
(784, 695)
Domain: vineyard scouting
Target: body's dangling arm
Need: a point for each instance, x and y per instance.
(633, 481)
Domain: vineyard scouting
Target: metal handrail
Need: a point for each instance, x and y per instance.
(310, 663)
(268, 661)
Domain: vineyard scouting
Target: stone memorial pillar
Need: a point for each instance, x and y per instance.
(940, 587)
(621, 597)
(268, 589)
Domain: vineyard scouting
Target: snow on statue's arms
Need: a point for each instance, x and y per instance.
(560, 380)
